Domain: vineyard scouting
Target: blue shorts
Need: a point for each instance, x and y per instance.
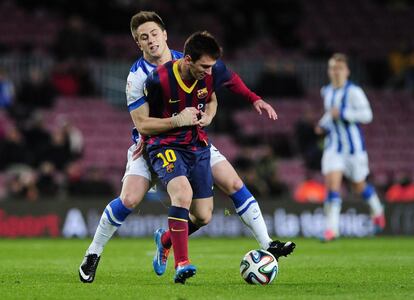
(171, 162)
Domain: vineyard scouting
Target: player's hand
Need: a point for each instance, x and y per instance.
(319, 130)
(187, 117)
(261, 104)
(139, 148)
(205, 119)
(335, 113)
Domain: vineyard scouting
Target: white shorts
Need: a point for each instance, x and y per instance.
(136, 167)
(215, 156)
(140, 167)
(355, 167)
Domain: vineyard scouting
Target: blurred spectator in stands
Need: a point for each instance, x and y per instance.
(21, 183)
(36, 91)
(91, 183)
(401, 64)
(74, 137)
(37, 137)
(76, 43)
(77, 40)
(64, 80)
(13, 149)
(402, 191)
(279, 80)
(7, 90)
(72, 78)
(268, 173)
(46, 183)
(309, 143)
(58, 152)
(249, 175)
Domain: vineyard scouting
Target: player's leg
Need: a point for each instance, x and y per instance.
(180, 192)
(360, 171)
(248, 209)
(136, 183)
(368, 193)
(114, 215)
(173, 172)
(333, 166)
(201, 211)
(332, 205)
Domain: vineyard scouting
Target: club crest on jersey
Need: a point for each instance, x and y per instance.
(202, 93)
(170, 167)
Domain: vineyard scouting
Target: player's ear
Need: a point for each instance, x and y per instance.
(137, 42)
(187, 58)
(164, 32)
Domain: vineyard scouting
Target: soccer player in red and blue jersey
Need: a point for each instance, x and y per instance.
(181, 156)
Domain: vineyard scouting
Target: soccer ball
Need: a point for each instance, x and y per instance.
(259, 267)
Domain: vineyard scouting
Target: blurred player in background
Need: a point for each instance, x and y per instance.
(346, 107)
(148, 31)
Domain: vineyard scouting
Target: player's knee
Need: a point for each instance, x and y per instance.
(182, 199)
(130, 200)
(233, 185)
(204, 219)
(237, 184)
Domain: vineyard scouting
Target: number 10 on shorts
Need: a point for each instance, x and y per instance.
(167, 157)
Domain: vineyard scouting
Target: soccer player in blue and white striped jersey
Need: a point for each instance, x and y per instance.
(346, 108)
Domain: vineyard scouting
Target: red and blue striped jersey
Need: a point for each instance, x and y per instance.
(167, 94)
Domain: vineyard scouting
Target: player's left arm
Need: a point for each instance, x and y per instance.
(358, 108)
(211, 109)
(232, 81)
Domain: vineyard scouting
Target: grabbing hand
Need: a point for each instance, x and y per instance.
(319, 130)
(261, 104)
(205, 119)
(187, 117)
(138, 150)
(335, 113)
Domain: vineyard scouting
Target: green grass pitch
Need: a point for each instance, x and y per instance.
(377, 268)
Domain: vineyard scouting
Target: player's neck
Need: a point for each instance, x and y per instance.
(184, 71)
(164, 58)
(338, 85)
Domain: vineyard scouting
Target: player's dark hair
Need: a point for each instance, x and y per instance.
(143, 17)
(340, 57)
(202, 43)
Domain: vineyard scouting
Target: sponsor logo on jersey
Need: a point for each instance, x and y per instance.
(174, 101)
(202, 93)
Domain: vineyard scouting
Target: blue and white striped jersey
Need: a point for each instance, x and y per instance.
(345, 134)
(136, 78)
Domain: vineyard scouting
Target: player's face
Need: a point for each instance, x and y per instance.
(200, 68)
(152, 40)
(338, 72)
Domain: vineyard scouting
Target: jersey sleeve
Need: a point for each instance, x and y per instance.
(358, 108)
(134, 90)
(231, 80)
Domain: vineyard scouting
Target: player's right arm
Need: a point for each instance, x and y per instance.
(325, 122)
(149, 125)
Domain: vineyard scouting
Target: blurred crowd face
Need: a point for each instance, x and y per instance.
(152, 41)
(338, 72)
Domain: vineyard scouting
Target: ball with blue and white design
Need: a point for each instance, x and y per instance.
(259, 267)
